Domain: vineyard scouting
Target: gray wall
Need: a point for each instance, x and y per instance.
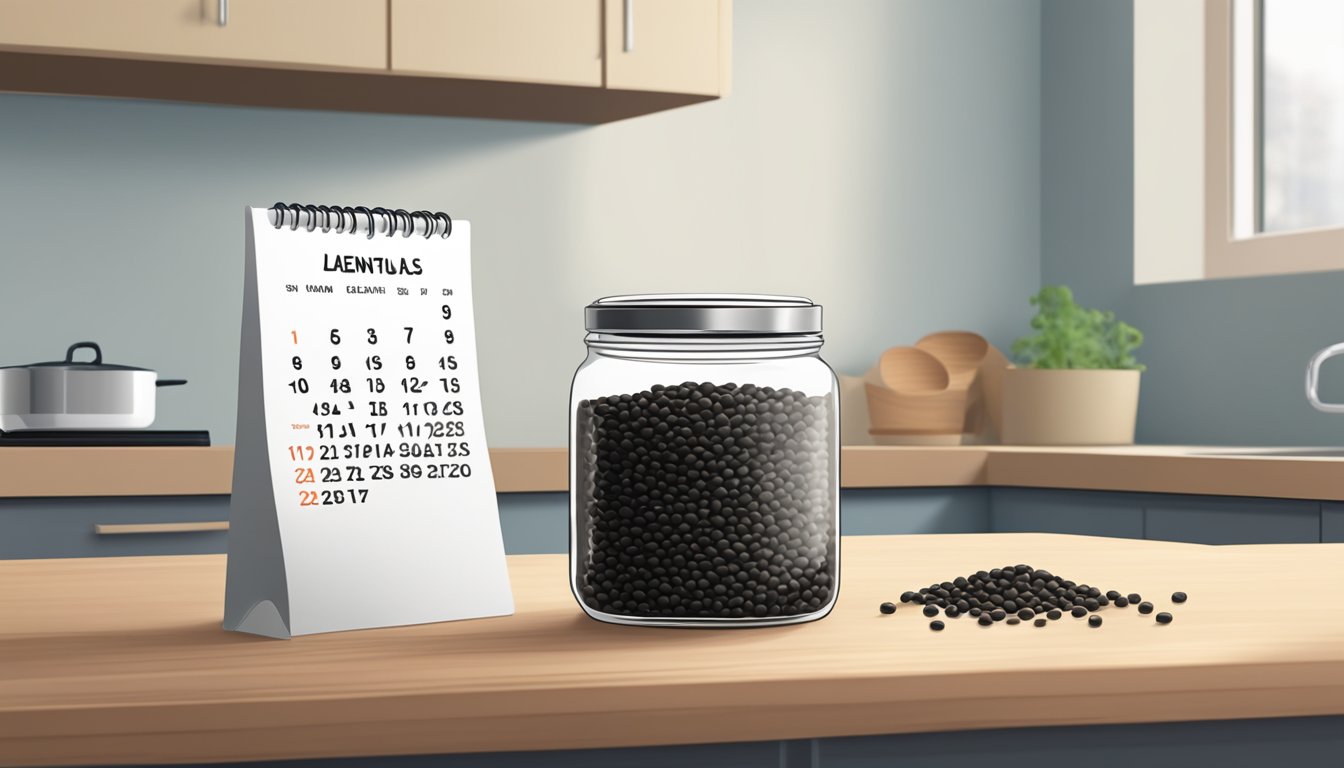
(1225, 358)
(880, 157)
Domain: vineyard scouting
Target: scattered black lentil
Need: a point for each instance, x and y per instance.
(1019, 593)
(1178, 597)
(936, 626)
(706, 501)
(887, 608)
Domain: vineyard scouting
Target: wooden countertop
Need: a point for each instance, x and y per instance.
(1269, 472)
(122, 660)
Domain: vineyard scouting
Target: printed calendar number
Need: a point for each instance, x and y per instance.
(349, 456)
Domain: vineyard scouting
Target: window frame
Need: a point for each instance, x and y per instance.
(1184, 192)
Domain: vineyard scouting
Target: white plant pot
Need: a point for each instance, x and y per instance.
(1069, 407)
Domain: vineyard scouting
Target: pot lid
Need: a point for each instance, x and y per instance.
(704, 313)
(96, 364)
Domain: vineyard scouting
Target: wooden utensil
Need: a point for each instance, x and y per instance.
(961, 352)
(907, 369)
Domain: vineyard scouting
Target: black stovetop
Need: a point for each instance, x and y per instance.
(67, 438)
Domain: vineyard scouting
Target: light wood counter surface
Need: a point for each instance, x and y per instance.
(1269, 472)
(122, 660)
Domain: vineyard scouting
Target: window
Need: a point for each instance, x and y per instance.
(1297, 50)
(1238, 138)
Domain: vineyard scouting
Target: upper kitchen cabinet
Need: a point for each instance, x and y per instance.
(530, 41)
(305, 33)
(673, 46)
(577, 61)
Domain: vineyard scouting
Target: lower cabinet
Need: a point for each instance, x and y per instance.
(112, 526)
(1203, 520)
(1332, 522)
(1163, 517)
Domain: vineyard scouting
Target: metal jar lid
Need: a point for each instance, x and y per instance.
(703, 313)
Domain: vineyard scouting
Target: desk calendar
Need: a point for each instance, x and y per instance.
(362, 492)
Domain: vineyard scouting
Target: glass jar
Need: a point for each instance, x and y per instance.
(705, 463)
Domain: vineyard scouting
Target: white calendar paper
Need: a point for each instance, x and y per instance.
(362, 492)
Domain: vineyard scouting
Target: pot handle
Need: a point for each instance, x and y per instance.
(97, 352)
(170, 382)
(1314, 376)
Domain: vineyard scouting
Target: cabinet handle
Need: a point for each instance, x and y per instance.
(629, 26)
(118, 529)
(223, 13)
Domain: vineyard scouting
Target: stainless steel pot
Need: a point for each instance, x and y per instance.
(70, 395)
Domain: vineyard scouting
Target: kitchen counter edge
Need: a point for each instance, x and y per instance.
(169, 471)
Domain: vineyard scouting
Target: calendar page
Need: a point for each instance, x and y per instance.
(383, 491)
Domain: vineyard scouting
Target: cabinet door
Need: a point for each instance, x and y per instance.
(321, 33)
(1119, 515)
(1228, 520)
(112, 526)
(1332, 522)
(533, 41)
(677, 46)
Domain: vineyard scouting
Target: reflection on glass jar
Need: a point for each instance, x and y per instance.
(704, 454)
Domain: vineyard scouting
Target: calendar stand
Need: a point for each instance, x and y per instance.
(362, 491)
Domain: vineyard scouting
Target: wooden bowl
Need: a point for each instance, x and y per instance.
(961, 352)
(906, 369)
(916, 413)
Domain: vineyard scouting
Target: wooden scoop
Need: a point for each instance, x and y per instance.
(961, 352)
(906, 369)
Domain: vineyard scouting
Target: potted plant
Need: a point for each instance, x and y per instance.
(1077, 382)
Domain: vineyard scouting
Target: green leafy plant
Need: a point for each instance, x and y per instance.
(1070, 336)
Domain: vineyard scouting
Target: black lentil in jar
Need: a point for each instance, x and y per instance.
(700, 500)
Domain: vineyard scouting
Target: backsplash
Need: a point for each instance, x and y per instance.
(128, 227)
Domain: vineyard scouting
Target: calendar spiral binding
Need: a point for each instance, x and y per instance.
(357, 219)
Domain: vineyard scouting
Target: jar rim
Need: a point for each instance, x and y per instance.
(703, 314)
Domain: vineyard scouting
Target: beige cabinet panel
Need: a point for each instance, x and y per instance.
(318, 33)
(667, 45)
(534, 41)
